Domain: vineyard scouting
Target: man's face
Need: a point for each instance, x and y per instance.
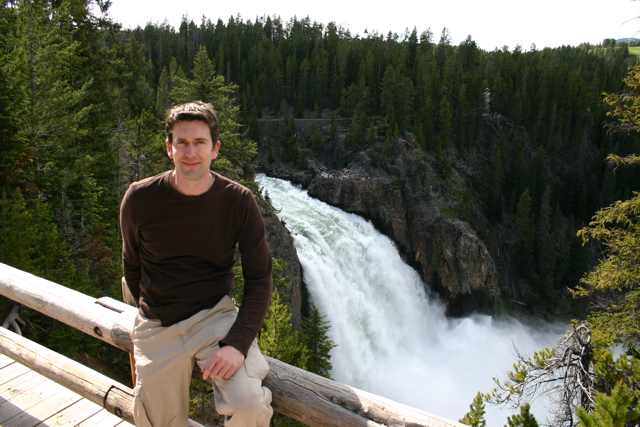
(192, 150)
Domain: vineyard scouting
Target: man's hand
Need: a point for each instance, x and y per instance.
(223, 363)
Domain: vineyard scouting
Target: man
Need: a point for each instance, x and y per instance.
(179, 234)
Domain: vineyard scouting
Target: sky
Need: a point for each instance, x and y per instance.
(491, 23)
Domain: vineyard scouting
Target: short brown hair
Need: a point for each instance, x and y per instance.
(190, 111)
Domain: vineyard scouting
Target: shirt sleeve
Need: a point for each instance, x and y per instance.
(257, 270)
(130, 245)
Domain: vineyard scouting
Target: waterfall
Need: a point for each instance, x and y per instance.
(392, 336)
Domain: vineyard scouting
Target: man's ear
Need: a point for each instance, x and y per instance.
(169, 149)
(216, 149)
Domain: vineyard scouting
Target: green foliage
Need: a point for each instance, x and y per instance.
(616, 410)
(207, 86)
(626, 106)
(464, 201)
(616, 278)
(275, 338)
(475, 416)
(316, 339)
(29, 240)
(443, 167)
(316, 139)
(445, 124)
(610, 373)
(397, 92)
(524, 419)
(525, 227)
(332, 128)
(371, 136)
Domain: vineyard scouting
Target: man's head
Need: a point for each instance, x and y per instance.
(191, 111)
(192, 143)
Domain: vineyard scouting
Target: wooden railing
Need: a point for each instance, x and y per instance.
(299, 394)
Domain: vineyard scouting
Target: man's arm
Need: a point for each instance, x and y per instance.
(130, 245)
(257, 269)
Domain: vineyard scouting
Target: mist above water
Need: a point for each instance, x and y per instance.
(392, 338)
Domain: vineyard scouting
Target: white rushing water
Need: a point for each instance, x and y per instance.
(392, 338)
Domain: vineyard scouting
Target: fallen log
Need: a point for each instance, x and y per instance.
(101, 390)
(298, 394)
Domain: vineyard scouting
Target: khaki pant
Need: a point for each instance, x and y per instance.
(164, 363)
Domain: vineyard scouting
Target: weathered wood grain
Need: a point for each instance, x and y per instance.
(72, 415)
(43, 410)
(5, 361)
(66, 305)
(28, 396)
(21, 384)
(11, 372)
(102, 419)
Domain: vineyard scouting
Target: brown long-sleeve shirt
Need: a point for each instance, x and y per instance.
(178, 252)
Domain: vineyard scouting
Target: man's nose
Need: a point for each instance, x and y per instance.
(190, 150)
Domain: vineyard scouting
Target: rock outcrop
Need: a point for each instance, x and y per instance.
(406, 197)
(281, 245)
(446, 251)
(461, 269)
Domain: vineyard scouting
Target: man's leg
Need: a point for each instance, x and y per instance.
(163, 372)
(241, 399)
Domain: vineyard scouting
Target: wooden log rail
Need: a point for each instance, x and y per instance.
(299, 394)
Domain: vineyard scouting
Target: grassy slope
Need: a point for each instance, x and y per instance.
(635, 51)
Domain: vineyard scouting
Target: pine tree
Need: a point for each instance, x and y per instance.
(275, 338)
(524, 225)
(315, 332)
(543, 236)
(475, 416)
(616, 410)
(371, 136)
(524, 419)
(332, 128)
(316, 139)
(163, 100)
(445, 124)
(207, 86)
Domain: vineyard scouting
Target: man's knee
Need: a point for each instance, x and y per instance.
(243, 402)
(241, 393)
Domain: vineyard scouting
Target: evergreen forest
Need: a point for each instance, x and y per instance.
(82, 108)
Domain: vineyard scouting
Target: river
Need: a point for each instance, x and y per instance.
(392, 336)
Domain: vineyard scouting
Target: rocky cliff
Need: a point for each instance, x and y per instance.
(417, 202)
(281, 245)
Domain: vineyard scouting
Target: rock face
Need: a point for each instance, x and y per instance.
(376, 200)
(446, 251)
(281, 245)
(407, 198)
(460, 267)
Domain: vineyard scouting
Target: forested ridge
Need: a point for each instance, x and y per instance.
(82, 104)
